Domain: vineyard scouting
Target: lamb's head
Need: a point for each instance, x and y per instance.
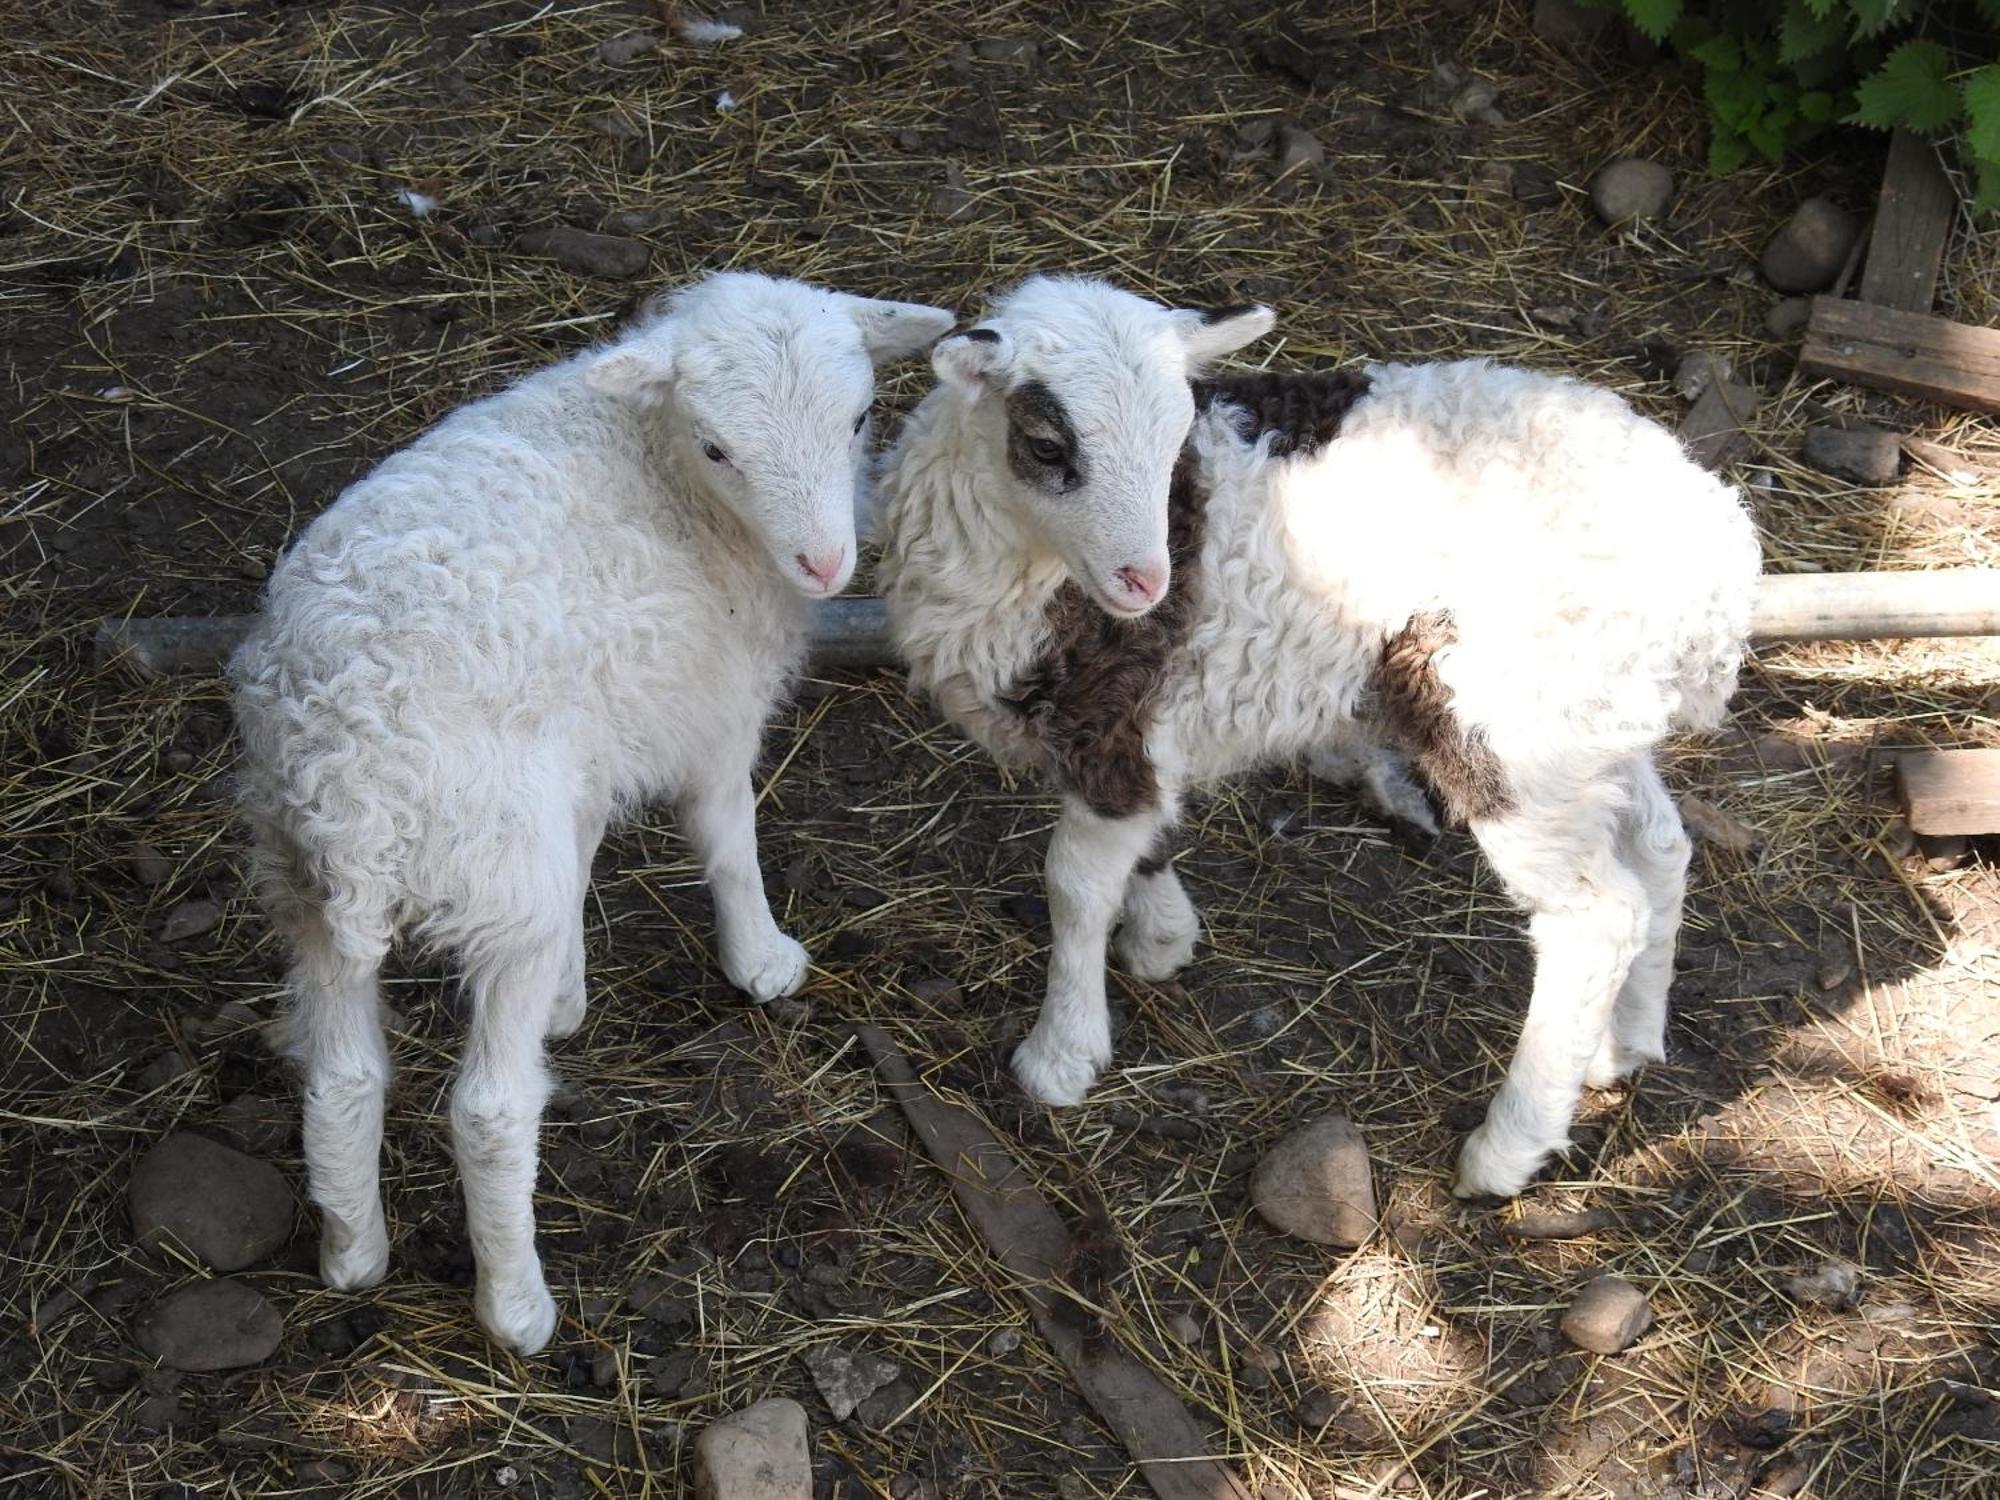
(1082, 391)
(762, 388)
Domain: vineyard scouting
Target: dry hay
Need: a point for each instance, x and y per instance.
(218, 309)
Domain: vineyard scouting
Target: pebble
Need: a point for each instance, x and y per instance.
(1788, 317)
(1554, 1224)
(1607, 1316)
(1569, 23)
(1935, 456)
(190, 920)
(1808, 253)
(637, 221)
(1832, 1283)
(1631, 189)
(1475, 100)
(1184, 1328)
(846, 1380)
(1698, 370)
(211, 1325)
(1299, 150)
(227, 1209)
(161, 1071)
(759, 1453)
(951, 199)
(592, 254)
(1866, 455)
(1003, 1342)
(1316, 1184)
(1536, 186)
(149, 867)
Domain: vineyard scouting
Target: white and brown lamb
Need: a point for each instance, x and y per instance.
(1142, 580)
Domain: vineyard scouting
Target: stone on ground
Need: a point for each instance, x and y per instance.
(1866, 455)
(759, 1453)
(1631, 190)
(588, 253)
(846, 1380)
(1316, 1184)
(211, 1325)
(1788, 317)
(1809, 251)
(226, 1209)
(1607, 1316)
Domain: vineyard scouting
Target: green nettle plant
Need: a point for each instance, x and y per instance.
(1776, 73)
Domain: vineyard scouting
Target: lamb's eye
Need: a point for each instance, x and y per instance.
(714, 454)
(1046, 450)
(859, 420)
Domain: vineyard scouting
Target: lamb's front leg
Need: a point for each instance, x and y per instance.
(1090, 860)
(1160, 927)
(719, 816)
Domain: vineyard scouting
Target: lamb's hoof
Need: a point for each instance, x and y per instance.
(521, 1315)
(1146, 952)
(1404, 804)
(775, 966)
(1489, 1171)
(353, 1263)
(567, 1014)
(1056, 1077)
(1615, 1063)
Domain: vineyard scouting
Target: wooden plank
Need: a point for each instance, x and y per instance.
(1876, 606)
(1026, 1236)
(1908, 353)
(1950, 791)
(1912, 222)
(1713, 428)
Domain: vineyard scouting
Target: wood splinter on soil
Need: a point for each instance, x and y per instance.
(1025, 1235)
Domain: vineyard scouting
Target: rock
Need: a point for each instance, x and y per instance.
(1631, 190)
(1607, 1316)
(759, 1453)
(1788, 317)
(149, 866)
(881, 1410)
(1494, 178)
(1445, 80)
(846, 1380)
(1554, 1224)
(1299, 150)
(1952, 466)
(637, 221)
(1474, 100)
(1866, 455)
(189, 920)
(1316, 1184)
(1832, 1283)
(1566, 23)
(951, 199)
(227, 1209)
(161, 1070)
(1712, 825)
(1184, 1329)
(1697, 371)
(1810, 251)
(211, 1325)
(627, 47)
(1003, 1342)
(1536, 186)
(592, 254)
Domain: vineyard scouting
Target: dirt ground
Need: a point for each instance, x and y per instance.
(217, 310)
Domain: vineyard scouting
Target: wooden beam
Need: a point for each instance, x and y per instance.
(1908, 353)
(1876, 606)
(1912, 222)
(1950, 791)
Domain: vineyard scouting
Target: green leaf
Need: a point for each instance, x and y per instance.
(1802, 34)
(1910, 90)
(1990, 9)
(1816, 105)
(1734, 99)
(1719, 52)
(1982, 112)
(1986, 186)
(1871, 17)
(1726, 151)
(1821, 9)
(1654, 17)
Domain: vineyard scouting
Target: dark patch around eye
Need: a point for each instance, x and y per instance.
(1036, 418)
(983, 335)
(1224, 314)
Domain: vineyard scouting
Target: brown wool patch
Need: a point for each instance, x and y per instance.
(1410, 704)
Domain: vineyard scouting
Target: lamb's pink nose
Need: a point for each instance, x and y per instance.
(822, 567)
(1144, 582)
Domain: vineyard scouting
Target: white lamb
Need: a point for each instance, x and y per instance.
(566, 599)
(1142, 581)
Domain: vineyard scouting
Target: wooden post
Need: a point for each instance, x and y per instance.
(1876, 606)
(1909, 354)
(1912, 223)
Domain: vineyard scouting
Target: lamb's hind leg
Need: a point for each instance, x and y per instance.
(1158, 925)
(1588, 918)
(1654, 846)
(333, 1031)
(1351, 758)
(1090, 861)
(573, 998)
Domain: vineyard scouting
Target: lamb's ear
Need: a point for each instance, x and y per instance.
(639, 375)
(895, 330)
(1223, 330)
(974, 359)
